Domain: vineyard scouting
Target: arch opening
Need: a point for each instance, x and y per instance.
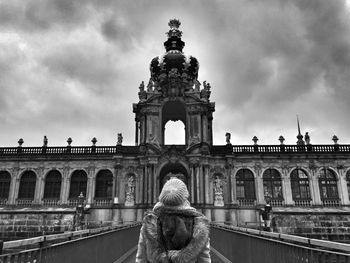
(5, 181)
(104, 184)
(174, 133)
(52, 188)
(27, 185)
(174, 111)
(173, 170)
(78, 184)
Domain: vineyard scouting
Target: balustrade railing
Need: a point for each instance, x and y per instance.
(51, 202)
(302, 202)
(246, 202)
(24, 202)
(132, 150)
(3, 201)
(74, 201)
(102, 201)
(277, 202)
(331, 202)
(242, 149)
(78, 150)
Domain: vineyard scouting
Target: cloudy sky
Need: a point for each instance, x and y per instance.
(71, 68)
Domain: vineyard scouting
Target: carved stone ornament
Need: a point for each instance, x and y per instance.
(130, 192)
(218, 186)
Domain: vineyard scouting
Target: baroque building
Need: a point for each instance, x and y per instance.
(308, 185)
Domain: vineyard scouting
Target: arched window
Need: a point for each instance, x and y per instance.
(245, 184)
(104, 184)
(328, 184)
(78, 183)
(174, 132)
(53, 185)
(27, 185)
(272, 184)
(300, 185)
(5, 181)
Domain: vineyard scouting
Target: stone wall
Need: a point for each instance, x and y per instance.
(25, 225)
(321, 225)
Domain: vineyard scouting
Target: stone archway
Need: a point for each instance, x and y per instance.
(173, 170)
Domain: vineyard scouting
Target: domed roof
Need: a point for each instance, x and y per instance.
(174, 65)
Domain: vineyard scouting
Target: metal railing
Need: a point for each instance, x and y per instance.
(93, 245)
(253, 246)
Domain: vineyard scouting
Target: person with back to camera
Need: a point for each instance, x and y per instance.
(174, 232)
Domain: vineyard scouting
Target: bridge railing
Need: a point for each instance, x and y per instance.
(237, 244)
(106, 244)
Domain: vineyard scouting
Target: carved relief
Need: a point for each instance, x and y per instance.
(130, 191)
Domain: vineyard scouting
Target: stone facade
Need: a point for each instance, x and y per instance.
(228, 183)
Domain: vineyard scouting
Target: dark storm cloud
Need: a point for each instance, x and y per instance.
(74, 66)
(41, 14)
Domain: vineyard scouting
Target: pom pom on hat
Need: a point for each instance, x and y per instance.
(174, 193)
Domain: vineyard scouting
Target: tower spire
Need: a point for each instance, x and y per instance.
(299, 136)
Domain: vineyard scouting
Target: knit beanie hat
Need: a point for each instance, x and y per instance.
(174, 192)
(174, 195)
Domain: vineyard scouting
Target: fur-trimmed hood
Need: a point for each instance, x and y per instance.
(158, 248)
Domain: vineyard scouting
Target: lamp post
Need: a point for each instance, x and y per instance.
(80, 211)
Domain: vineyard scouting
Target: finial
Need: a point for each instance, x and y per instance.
(299, 136)
(281, 139)
(174, 29)
(94, 141)
(255, 140)
(174, 23)
(20, 142)
(335, 139)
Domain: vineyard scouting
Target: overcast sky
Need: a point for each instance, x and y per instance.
(71, 68)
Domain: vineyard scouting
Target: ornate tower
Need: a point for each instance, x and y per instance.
(174, 94)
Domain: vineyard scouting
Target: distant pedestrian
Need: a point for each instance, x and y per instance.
(174, 231)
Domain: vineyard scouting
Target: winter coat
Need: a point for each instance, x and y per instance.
(174, 236)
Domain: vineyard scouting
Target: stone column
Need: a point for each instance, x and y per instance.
(205, 128)
(314, 188)
(65, 188)
(192, 184)
(14, 186)
(230, 188)
(206, 185)
(149, 184)
(287, 188)
(116, 183)
(39, 186)
(343, 188)
(198, 189)
(155, 184)
(136, 132)
(90, 185)
(259, 186)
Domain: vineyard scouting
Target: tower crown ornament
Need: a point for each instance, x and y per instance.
(174, 31)
(174, 72)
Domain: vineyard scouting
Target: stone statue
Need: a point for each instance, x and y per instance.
(153, 140)
(130, 192)
(197, 85)
(45, 141)
(120, 139)
(218, 192)
(205, 92)
(228, 138)
(307, 138)
(150, 86)
(142, 92)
